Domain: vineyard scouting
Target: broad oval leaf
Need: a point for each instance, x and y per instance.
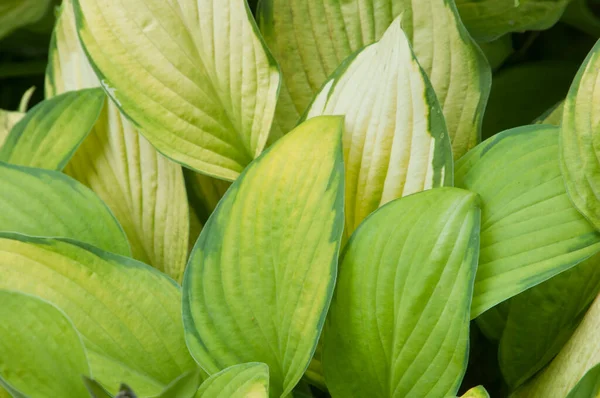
(50, 133)
(490, 19)
(41, 353)
(395, 138)
(530, 231)
(41, 202)
(194, 75)
(579, 139)
(541, 320)
(248, 380)
(310, 39)
(145, 190)
(399, 320)
(127, 313)
(260, 278)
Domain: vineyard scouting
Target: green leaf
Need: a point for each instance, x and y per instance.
(552, 116)
(127, 313)
(542, 319)
(399, 320)
(530, 231)
(476, 392)
(95, 389)
(493, 321)
(194, 76)
(185, 386)
(145, 190)
(204, 193)
(261, 276)
(395, 138)
(17, 13)
(311, 38)
(41, 202)
(41, 353)
(248, 380)
(588, 386)
(50, 133)
(498, 51)
(579, 139)
(490, 19)
(7, 121)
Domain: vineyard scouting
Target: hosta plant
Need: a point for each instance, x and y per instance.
(223, 199)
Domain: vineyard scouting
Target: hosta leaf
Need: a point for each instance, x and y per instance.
(204, 193)
(489, 19)
(95, 389)
(7, 120)
(395, 138)
(17, 13)
(552, 116)
(476, 392)
(497, 51)
(49, 134)
(493, 321)
(530, 231)
(588, 386)
(127, 313)
(579, 139)
(145, 191)
(311, 38)
(260, 278)
(48, 203)
(542, 319)
(41, 353)
(399, 320)
(194, 75)
(249, 380)
(185, 386)
(579, 356)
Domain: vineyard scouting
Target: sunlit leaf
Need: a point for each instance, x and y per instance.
(476, 392)
(399, 320)
(249, 380)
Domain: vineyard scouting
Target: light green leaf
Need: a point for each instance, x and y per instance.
(193, 75)
(48, 203)
(395, 138)
(588, 386)
(490, 19)
(311, 38)
(145, 191)
(41, 353)
(399, 320)
(185, 386)
(7, 120)
(50, 133)
(261, 276)
(530, 231)
(476, 392)
(542, 319)
(552, 116)
(249, 380)
(127, 313)
(579, 139)
(17, 13)
(578, 357)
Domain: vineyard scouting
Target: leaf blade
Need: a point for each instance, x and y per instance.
(238, 381)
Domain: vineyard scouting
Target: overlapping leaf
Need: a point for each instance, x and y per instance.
(17, 13)
(399, 320)
(530, 231)
(588, 386)
(580, 139)
(311, 38)
(476, 392)
(50, 133)
(249, 380)
(48, 203)
(127, 313)
(261, 276)
(194, 75)
(145, 191)
(41, 353)
(395, 137)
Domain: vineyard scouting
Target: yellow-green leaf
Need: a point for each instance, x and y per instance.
(399, 320)
(248, 380)
(127, 313)
(588, 386)
(476, 392)
(552, 116)
(395, 138)
(50, 133)
(490, 19)
(530, 231)
(7, 121)
(41, 353)
(145, 190)
(185, 386)
(579, 142)
(41, 202)
(194, 75)
(261, 276)
(310, 39)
